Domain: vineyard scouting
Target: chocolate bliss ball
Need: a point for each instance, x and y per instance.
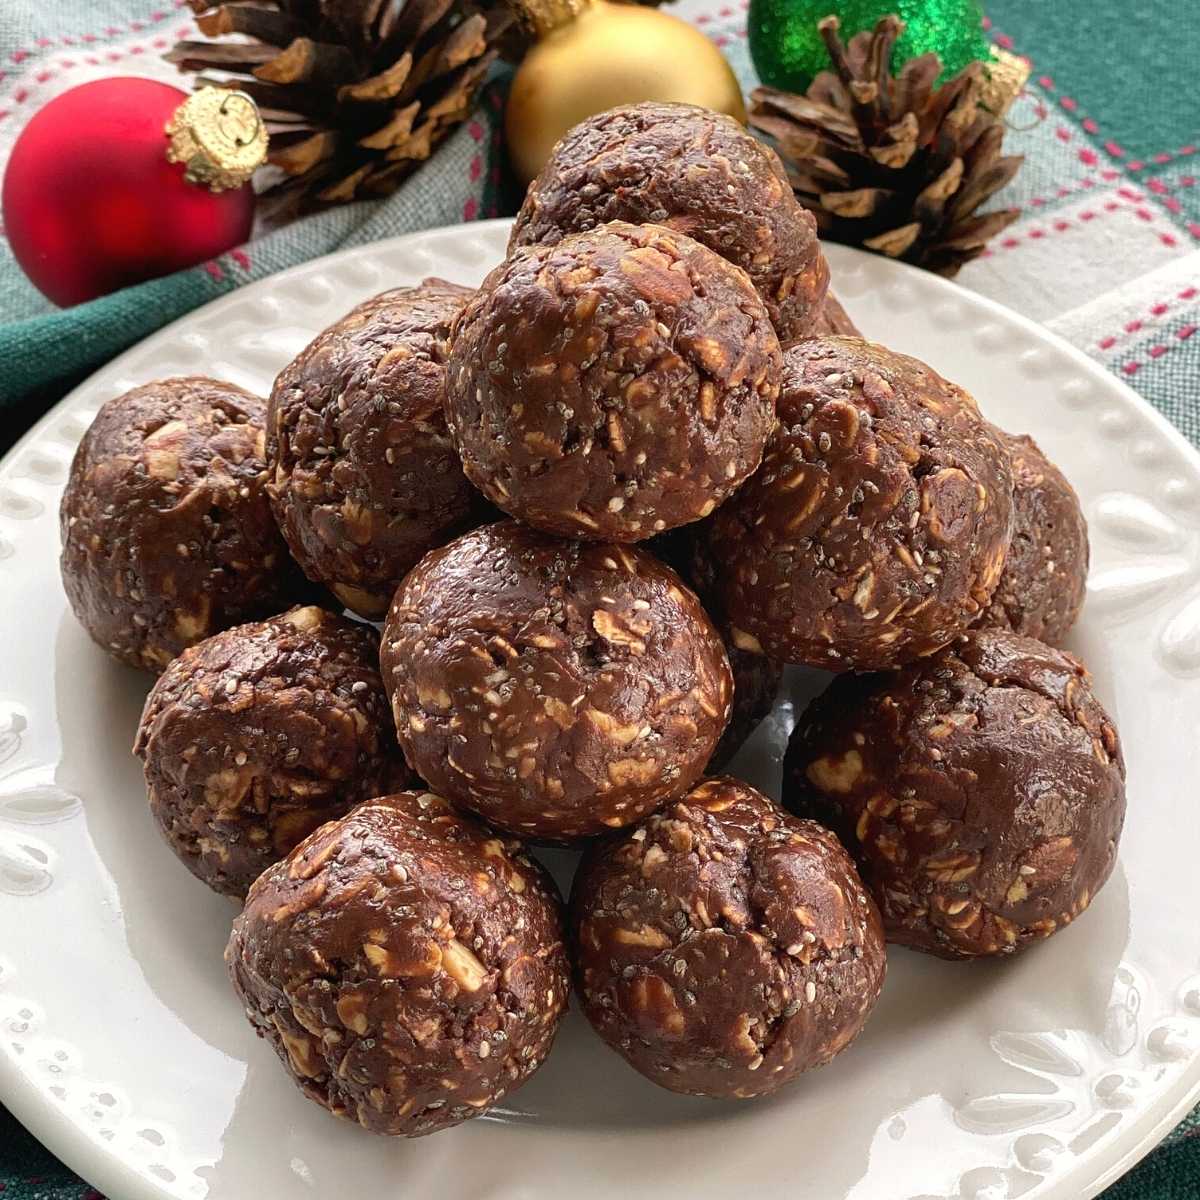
(877, 527)
(982, 791)
(405, 964)
(167, 533)
(695, 171)
(558, 689)
(723, 946)
(1042, 586)
(613, 385)
(364, 479)
(253, 738)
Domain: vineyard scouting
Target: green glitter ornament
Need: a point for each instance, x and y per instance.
(788, 52)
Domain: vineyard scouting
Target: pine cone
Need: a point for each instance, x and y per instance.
(891, 162)
(354, 93)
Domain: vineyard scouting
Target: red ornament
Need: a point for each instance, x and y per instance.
(92, 203)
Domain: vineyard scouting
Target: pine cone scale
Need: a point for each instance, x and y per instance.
(355, 93)
(894, 163)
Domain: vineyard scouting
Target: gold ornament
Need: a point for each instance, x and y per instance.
(219, 137)
(592, 55)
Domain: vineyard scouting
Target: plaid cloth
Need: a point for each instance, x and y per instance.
(1106, 253)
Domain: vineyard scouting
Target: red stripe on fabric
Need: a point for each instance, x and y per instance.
(111, 31)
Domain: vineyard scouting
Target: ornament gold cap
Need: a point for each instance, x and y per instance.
(540, 17)
(219, 136)
(1005, 75)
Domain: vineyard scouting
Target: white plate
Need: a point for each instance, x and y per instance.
(123, 1049)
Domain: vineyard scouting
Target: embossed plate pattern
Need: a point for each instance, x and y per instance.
(122, 1047)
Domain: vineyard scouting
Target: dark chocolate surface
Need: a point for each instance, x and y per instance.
(253, 738)
(613, 385)
(877, 527)
(698, 172)
(1042, 586)
(981, 791)
(167, 533)
(724, 946)
(364, 479)
(405, 963)
(834, 319)
(558, 689)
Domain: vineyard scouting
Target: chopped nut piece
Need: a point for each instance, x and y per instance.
(462, 966)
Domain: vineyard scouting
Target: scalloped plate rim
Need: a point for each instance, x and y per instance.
(116, 1178)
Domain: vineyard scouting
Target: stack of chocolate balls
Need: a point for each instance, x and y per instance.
(703, 473)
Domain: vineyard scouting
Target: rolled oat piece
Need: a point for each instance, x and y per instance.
(613, 385)
(364, 478)
(723, 946)
(876, 529)
(253, 738)
(558, 689)
(695, 171)
(405, 963)
(167, 533)
(981, 791)
(1042, 586)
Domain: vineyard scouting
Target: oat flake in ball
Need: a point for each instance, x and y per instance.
(982, 791)
(695, 171)
(613, 385)
(724, 946)
(167, 533)
(405, 963)
(1042, 586)
(877, 527)
(558, 689)
(253, 738)
(364, 477)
